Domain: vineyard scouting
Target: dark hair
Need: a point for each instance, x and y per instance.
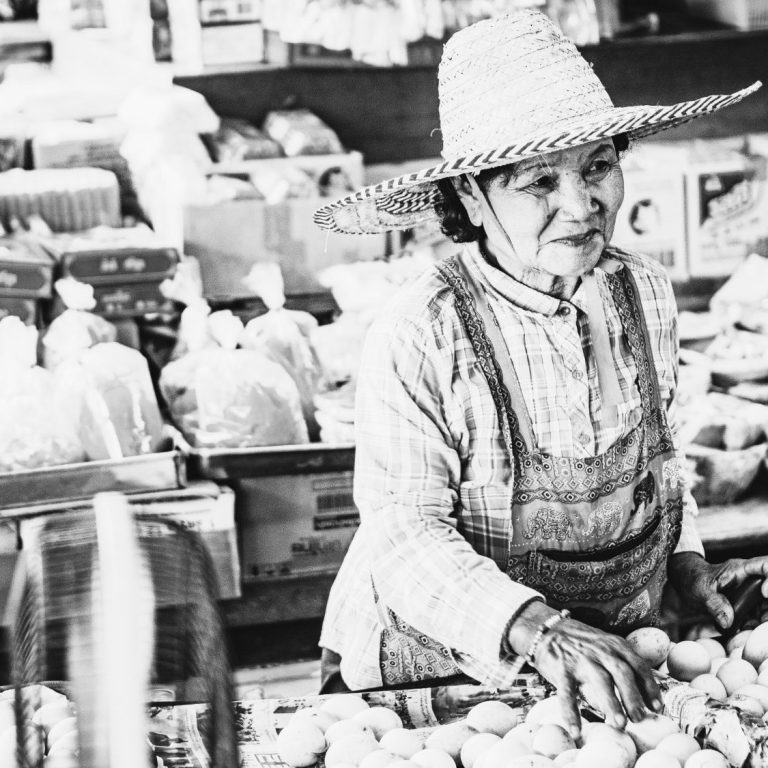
(454, 221)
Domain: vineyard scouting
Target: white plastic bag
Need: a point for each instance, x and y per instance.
(284, 336)
(38, 427)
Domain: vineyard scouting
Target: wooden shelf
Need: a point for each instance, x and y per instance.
(390, 114)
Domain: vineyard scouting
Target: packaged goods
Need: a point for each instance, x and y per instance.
(38, 426)
(67, 199)
(295, 524)
(284, 336)
(26, 310)
(237, 140)
(71, 332)
(233, 398)
(26, 270)
(727, 206)
(220, 396)
(300, 132)
(651, 220)
(119, 415)
(339, 347)
(278, 183)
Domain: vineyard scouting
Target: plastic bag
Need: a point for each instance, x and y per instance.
(284, 336)
(38, 427)
(232, 398)
(119, 415)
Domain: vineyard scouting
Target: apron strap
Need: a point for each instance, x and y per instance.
(454, 275)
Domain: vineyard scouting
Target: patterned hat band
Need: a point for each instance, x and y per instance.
(510, 88)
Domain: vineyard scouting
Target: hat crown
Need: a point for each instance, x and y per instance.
(509, 79)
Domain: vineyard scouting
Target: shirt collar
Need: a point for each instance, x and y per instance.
(521, 295)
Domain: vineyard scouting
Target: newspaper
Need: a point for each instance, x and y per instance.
(176, 731)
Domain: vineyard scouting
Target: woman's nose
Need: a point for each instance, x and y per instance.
(578, 200)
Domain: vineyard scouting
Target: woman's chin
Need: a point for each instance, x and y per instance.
(567, 261)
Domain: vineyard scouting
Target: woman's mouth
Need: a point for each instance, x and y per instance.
(579, 239)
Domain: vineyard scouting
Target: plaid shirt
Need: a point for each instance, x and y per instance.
(427, 434)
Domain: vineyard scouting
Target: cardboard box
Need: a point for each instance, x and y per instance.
(294, 524)
(26, 271)
(225, 44)
(229, 11)
(727, 203)
(131, 300)
(228, 238)
(120, 266)
(651, 220)
(25, 309)
(336, 175)
(209, 510)
(204, 507)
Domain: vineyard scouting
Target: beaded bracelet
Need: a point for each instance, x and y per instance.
(528, 657)
(547, 626)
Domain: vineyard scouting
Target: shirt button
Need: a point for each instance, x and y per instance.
(584, 438)
(576, 373)
(564, 310)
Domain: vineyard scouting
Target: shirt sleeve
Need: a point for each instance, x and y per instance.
(689, 537)
(407, 474)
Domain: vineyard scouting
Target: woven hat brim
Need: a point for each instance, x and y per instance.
(409, 200)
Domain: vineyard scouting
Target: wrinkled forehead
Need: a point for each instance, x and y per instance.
(565, 158)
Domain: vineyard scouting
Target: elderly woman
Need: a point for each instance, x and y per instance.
(517, 472)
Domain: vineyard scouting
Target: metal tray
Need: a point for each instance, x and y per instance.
(233, 463)
(71, 482)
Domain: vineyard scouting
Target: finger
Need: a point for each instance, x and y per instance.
(720, 609)
(603, 695)
(644, 679)
(756, 566)
(567, 693)
(625, 682)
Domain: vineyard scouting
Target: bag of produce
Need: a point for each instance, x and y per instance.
(233, 398)
(284, 336)
(223, 397)
(300, 132)
(118, 414)
(76, 329)
(38, 427)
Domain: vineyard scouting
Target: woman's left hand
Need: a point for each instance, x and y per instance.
(696, 579)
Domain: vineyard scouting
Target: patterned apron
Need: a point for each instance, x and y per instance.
(591, 534)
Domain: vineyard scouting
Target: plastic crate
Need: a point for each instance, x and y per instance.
(743, 14)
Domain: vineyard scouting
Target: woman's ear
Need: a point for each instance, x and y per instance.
(468, 199)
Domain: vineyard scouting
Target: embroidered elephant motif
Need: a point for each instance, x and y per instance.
(634, 610)
(548, 523)
(644, 493)
(672, 474)
(604, 519)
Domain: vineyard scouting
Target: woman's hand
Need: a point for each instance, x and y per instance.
(575, 657)
(693, 577)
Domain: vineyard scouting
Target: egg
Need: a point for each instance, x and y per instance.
(433, 758)
(687, 660)
(493, 717)
(735, 674)
(474, 746)
(655, 758)
(450, 738)
(552, 739)
(403, 742)
(379, 720)
(709, 684)
(679, 745)
(706, 758)
(756, 646)
(738, 640)
(343, 705)
(379, 758)
(648, 733)
(713, 647)
(603, 753)
(546, 711)
(650, 643)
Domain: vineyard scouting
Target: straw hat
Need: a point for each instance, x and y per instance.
(510, 88)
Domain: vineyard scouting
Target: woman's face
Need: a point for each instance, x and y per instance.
(558, 210)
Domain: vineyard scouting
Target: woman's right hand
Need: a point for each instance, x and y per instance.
(577, 658)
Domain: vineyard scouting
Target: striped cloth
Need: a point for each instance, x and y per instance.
(428, 436)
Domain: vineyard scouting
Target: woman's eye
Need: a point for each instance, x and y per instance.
(599, 169)
(543, 183)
